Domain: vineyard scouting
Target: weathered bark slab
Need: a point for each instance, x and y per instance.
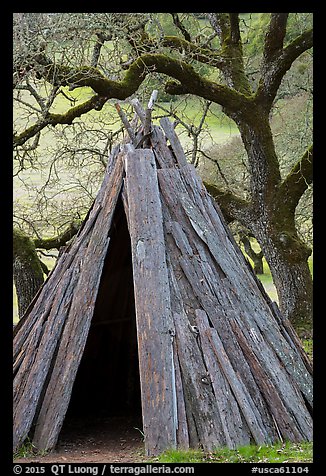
(163, 154)
(73, 340)
(174, 141)
(181, 422)
(72, 310)
(152, 301)
(234, 425)
(211, 274)
(198, 393)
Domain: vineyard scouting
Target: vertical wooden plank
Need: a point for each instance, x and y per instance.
(75, 332)
(234, 426)
(254, 420)
(182, 424)
(40, 358)
(161, 151)
(152, 301)
(187, 435)
(174, 141)
(198, 392)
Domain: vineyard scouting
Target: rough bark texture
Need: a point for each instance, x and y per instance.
(27, 270)
(218, 363)
(152, 301)
(287, 259)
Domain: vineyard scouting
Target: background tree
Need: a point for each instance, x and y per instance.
(28, 268)
(225, 165)
(113, 54)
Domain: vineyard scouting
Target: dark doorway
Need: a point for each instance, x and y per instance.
(107, 383)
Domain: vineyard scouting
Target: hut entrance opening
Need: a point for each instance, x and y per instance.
(107, 382)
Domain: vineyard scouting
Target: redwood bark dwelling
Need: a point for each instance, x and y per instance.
(218, 363)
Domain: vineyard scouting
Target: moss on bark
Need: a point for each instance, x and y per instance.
(27, 268)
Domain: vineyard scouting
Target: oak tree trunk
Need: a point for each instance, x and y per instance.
(27, 270)
(287, 259)
(270, 216)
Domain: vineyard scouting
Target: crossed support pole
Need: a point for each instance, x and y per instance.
(145, 118)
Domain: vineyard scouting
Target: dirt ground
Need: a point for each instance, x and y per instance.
(107, 440)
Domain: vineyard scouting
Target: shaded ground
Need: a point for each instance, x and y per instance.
(100, 440)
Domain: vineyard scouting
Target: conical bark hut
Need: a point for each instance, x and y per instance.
(218, 364)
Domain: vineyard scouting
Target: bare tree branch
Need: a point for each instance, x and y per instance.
(178, 24)
(274, 69)
(297, 181)
(197, 52)
(189, 80)
(58, 241)
(96, 102)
